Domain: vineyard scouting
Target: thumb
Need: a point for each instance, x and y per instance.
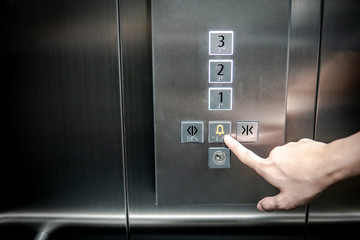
(273, 203)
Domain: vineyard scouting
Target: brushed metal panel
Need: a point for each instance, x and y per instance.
(303, 69)
(182, 93)
(338, 115)
(147, 220)
(63, 116)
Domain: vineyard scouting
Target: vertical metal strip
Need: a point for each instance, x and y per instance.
(302, 69)
(318, 67)
(287, 66)
(316, 101)
(122, 126)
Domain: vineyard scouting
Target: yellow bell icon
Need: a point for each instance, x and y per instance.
(219, 130)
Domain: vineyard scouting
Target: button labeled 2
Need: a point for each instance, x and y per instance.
(221, 42)
(220, 71)
(220, 98)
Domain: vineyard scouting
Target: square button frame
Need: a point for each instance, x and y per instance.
(198, 136)
(224, 32)
(219, 61)
(212, 164)
(225, 89)
(210, 128)
(255, 134)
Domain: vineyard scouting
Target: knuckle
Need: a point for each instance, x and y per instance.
(275, 151)
(263, 164)
(261, 167)
(283, 203)
(280, 203)
(304, 140)
(246, 156)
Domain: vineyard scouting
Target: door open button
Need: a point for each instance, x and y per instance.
(192, 132)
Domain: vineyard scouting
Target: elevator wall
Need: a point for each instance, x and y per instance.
(62, 170)
(87, 89)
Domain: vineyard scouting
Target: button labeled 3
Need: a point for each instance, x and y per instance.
(221, 42)
(217, 130)
(192, 132)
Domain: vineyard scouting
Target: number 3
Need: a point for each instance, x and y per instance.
(221, 40)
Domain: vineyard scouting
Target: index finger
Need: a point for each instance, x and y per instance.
(246, 156)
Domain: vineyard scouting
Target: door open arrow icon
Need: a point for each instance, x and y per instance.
(192, 130)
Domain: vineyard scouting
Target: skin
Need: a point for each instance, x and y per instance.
(301, 170)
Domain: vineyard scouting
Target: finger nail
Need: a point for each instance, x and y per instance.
(260, 208)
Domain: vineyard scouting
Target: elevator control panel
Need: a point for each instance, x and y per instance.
(218, 69)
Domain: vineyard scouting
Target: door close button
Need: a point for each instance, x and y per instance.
(247, 131)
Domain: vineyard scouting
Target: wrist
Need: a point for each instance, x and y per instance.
(342, 160)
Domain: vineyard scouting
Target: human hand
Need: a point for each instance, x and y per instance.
(298, 170)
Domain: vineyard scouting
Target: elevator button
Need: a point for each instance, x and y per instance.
(217, 130)
(192, 132)
(220, 98)
(220, 71)
(221, 42)
(247, 131)
(219, 157)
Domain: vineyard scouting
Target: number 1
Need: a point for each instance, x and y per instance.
(221, 96)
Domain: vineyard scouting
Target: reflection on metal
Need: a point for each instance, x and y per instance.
(338, 114)
(302, 69)
(63, 116)
(48, 222)
(42, 236)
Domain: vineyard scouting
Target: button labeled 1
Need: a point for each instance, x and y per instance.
(217, 130)
(220, 71)
(221, 42)
(220, 98)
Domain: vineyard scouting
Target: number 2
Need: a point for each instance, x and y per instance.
(221, 40)
(221, 69)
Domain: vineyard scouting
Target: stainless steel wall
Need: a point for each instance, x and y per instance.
(336, 214)
(63, 170)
